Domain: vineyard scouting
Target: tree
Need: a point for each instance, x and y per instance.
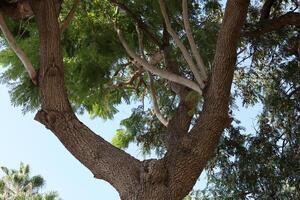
(182, 57)
(18, 185)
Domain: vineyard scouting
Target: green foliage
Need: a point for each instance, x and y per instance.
(259, 165)
(18, 185)
(95, 61)
(145, 129)
(22, 91)
(122, 139)
(263, 164)
(194, 195)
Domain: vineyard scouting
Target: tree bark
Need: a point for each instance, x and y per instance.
(186, 163)
(170, 178)
(104, 160)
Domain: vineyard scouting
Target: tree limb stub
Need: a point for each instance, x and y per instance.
(18, 51)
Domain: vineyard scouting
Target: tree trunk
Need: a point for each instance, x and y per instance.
(170, 178)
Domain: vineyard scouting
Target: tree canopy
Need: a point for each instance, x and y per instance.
(176, 60)
(18, 185)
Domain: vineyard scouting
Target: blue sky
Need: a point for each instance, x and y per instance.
(23, 139)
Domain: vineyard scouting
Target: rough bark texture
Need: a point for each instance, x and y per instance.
(16, 10)
(196, 148)
(104, 160)
(170, 178)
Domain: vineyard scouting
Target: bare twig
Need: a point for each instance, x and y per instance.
(181, 46)
(19, 52)
(192, 42)
(66, 22)
(164, 74)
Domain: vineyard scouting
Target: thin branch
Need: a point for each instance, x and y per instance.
(66, 22)
(151, 87)
(140, 39)
(19, 52)
(156, 109)
(192, 42)
(181, 46)
(142, 25)
(130, 81)
(164, 74)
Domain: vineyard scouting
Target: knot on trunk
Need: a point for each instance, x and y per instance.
(153, 171)
(52, 119)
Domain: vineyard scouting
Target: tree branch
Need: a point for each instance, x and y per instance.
(203, 139)
(164, 74)
(192, 42)
(19, 52)
(181, 46)
(16, 10)
(142, 25)
(153, 61)
(287, 19)
(70, 16)
(130, 81)
(266, 9)
(98, 155)
(156, 109)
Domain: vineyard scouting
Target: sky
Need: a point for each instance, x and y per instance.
(24, 140)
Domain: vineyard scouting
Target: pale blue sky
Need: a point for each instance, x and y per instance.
(23, 139)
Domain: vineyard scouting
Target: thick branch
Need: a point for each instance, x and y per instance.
(70, 16)
(275, 24)
(198, 146)
(192, 42)
(19, 52)
(16, 10)
(99, 156)
(181, 46)
(164, 74)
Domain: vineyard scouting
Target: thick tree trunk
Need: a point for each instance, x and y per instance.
(170, 178)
